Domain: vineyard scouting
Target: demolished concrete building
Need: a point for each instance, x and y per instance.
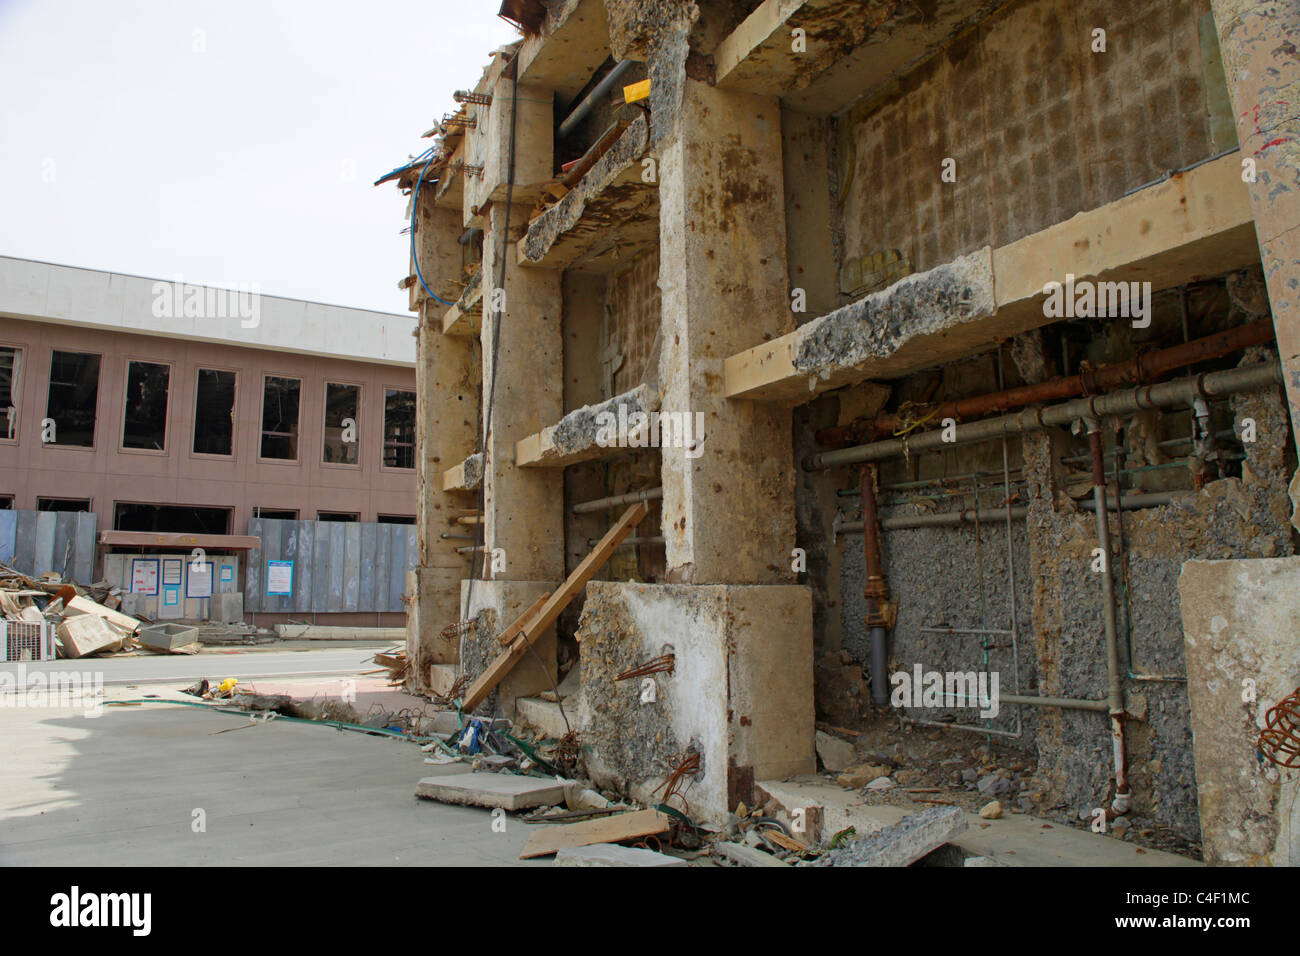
(934, 338)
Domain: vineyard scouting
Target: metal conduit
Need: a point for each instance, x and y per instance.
(1165, 395)
(604, 504)
(949, 518)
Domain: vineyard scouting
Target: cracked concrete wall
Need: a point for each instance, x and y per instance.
(633, 322)
(1040, 127)
(934, 574)
(1240, 619)
(752, 643)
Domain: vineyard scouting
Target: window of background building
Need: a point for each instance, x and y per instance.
(341, 402)
(214, 412)
(145, 419)
(337, 516)
(62, 504)
(397, 519)
(6, 502)
(73, 397)
(280, 417)
(399, 428)
(282, 514)
(176, 519)
(10, 366)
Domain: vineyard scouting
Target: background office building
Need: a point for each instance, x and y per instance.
(141, 419)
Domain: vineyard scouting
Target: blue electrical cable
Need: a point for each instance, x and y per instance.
(415, 201)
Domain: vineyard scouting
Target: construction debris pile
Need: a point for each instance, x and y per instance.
(88, 622)
(543, 781)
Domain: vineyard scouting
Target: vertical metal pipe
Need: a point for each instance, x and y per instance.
(1115, 696)
(875, 590)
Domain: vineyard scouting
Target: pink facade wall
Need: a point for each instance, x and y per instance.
(108, 474)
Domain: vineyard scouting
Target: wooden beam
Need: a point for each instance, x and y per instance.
(622, 826)
(537, 621)
(461, 324)
(1197, 223)
(507, 637)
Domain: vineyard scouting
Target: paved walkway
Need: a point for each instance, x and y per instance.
(123, 788)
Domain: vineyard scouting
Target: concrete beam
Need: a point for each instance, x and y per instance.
(578, 435)
(1195, 224)
(851, 50)
(610, 210)
(573, 44)
(488, 145)
(466, 476)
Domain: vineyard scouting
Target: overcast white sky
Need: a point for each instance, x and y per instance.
(244, 153)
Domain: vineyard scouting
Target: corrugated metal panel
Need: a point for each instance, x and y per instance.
(60, 541)
(338, 566)
(253, 572)
(8, 531)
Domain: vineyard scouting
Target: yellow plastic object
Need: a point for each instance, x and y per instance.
(637, 91)
(227, 685)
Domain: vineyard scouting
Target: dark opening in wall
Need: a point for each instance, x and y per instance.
(174, 519)
(337, 516)
(10, 366)
(214, 412)
(62, 504)
(342, 409)
(73, 397)
(6, 502)
(145, 424)
(397, 519)
(280, 417)
(282, 514)
(399, 428)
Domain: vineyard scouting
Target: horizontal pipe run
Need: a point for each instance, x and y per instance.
(1069, 703)
(604, 504)
(630, 542)
(1142, 368)
(951, 518)
(592, 99)
(1176, 394)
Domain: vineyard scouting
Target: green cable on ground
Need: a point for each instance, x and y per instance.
(339, 724)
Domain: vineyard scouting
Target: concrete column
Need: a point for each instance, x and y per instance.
(728, 512)
(1258, 41)
(446, 380)
(524, 506)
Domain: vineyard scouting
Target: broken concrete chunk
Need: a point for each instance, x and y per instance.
(991, 811)
(744, 855)
(85, 634)
(611, 854)
(492, 790)
(855, 778)
(836, 755)
(903, 843)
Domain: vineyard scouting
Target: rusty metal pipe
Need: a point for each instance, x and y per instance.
(1115, 695)
(876, 589)
(1136, 371)
(1174, 394)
